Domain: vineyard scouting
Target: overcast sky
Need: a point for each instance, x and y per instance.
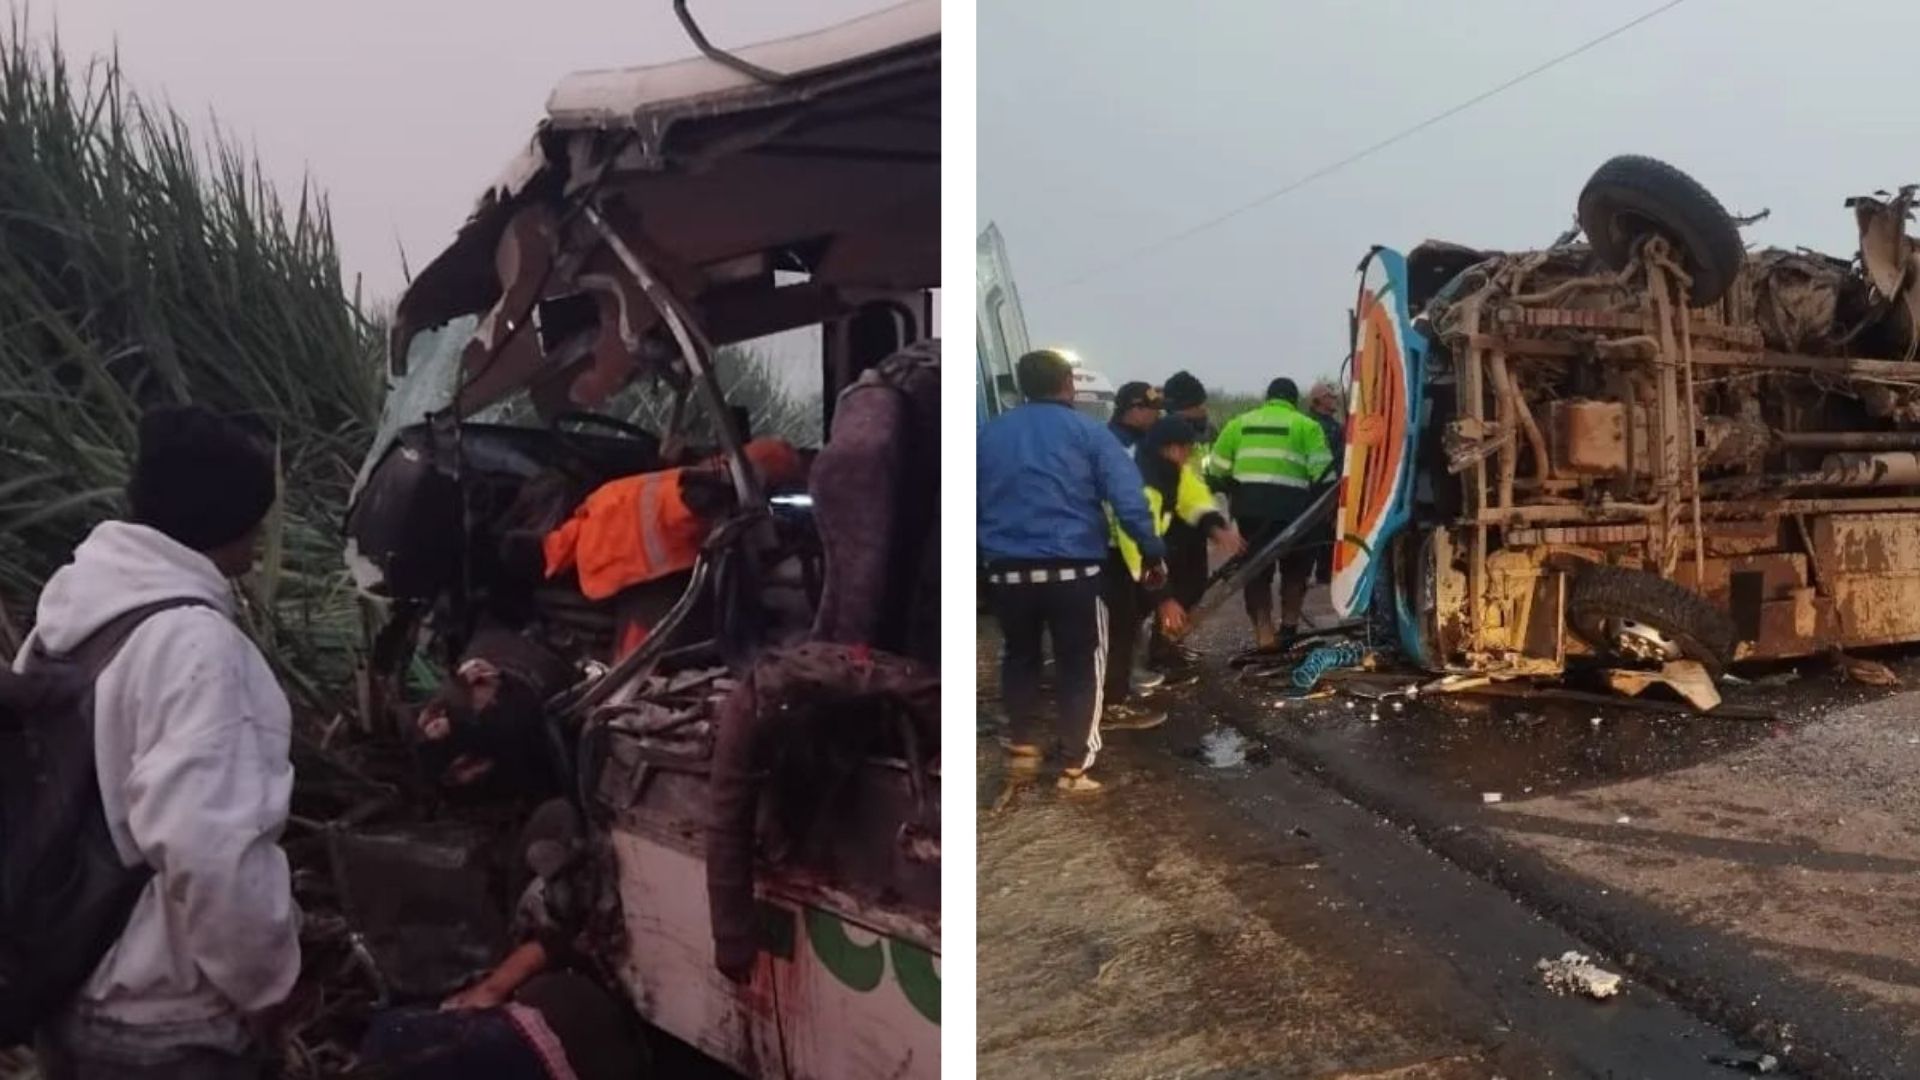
(1100, 132)
(402, 110)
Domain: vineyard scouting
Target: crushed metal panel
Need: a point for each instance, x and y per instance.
(851, 1002)
(1891, 262)
(461, 279)
(898, 41)
(668, 967)
(1797, 298)
(1687, 678)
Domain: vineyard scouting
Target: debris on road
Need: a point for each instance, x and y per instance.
(1865, 672)
(1575, 973)
(1455, 684)
(1753, 1063)
(1688, 678)
(1375, 685)
(1537, 693)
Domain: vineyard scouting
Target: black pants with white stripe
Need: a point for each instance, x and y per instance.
(1032, 606)
(1128, 605)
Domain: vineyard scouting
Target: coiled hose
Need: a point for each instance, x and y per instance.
(1327, 658)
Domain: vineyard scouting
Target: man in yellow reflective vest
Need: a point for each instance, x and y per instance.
(1175, 494)
(1268, 461)
(1184, 397)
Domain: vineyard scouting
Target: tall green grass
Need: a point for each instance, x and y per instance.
(750, 378)
(142, 265)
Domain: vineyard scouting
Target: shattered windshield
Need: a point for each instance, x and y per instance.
(433, 369)
(776, 378)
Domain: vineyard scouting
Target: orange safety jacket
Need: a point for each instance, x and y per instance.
(639, 528)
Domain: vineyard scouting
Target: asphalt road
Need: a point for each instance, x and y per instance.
(1347, 902)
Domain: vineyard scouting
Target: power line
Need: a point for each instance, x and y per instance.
(1358, 155)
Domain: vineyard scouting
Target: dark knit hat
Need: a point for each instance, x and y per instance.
(1136, 395)
(1184, 392)
(199, 478)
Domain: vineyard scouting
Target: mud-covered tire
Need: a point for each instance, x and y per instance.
(1630, 196)
(1600, 594)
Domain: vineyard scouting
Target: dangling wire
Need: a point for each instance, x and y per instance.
(721, 56)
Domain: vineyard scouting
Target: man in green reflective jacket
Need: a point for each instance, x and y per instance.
(1269, 460)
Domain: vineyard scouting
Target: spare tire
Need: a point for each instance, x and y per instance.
(1632, 196)
(1632, 614)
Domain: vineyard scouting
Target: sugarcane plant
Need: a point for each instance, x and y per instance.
(750, 377)
(141, 265)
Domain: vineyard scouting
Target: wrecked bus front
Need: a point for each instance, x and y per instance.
(1650, 449)
(755, 734)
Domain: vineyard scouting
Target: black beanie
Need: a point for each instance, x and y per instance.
(1183, 391)
(199, 478)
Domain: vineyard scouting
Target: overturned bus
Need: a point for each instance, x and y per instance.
(1648, 447)
(754, 737)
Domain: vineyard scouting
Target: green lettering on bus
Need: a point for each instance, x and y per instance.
(913, 967)
(858, 966)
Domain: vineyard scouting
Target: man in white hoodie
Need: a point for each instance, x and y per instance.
(191, 743)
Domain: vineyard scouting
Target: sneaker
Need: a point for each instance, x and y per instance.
(1077, 782)
(1130, 718)
(1022, 755)
(1147, 680)
(1167, 657)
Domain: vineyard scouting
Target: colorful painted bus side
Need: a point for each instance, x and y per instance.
(1376, 484)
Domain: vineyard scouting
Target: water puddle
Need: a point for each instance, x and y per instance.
(1227, 748)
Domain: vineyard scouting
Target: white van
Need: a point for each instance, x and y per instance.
(1092, 393)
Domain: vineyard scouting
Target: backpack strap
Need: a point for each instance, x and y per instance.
(98, 649)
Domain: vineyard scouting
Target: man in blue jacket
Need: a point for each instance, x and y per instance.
(1047, 474)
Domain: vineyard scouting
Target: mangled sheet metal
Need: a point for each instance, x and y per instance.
(1891, 262)
(718, 181)
(1804, 302)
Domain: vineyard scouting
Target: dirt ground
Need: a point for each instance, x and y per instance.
(1116, 942)
(1134, 935)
